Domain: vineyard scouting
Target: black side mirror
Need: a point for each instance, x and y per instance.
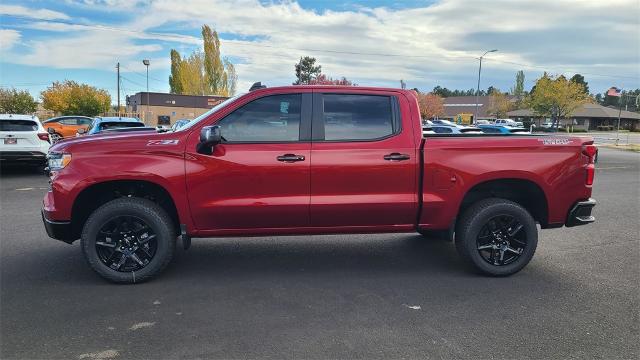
(210, 136)
(81, 131)
(51, 131)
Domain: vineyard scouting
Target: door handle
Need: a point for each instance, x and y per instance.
(290, 158)
(397, 157)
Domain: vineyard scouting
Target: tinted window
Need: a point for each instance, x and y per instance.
(84, 121)
(119, 124)
(18, 125)
(271, 118)
(357, 117)
(442, 130)
(69, 121)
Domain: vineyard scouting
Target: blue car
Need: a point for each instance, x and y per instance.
(100, 124)
(499, 129)
(445, 129)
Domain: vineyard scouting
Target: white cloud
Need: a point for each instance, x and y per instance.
(439, 43)
(8, 38)
(22, 11)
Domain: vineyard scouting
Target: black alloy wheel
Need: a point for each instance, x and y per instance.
(126, 243)
(501, 240)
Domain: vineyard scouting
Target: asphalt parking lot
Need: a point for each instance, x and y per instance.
(367, 296)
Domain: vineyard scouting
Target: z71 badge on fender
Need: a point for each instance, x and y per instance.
(162, 142)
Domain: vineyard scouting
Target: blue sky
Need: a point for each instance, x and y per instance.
(425, 43)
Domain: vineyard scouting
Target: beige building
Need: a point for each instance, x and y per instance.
(164, 109)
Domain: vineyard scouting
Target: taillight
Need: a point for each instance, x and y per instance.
(590, 151)
(591, 172)
(43, 136)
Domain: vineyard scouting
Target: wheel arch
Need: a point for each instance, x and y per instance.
(524, 192)
(99, 193)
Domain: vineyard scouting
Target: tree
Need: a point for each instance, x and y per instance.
(518, 88)
(323, 79)
(556, 97)
(306, 70)
(499, 104)
(431, 105)
(203, 73)
(13, 101)
(175, 79)
(579, 79)
(72, 98)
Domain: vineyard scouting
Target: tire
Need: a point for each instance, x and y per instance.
(489, 237)
(124, 219)
(55, 137)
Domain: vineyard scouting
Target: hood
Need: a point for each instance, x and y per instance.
(101, 139)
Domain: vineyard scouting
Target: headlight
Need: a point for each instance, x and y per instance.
(58, 161)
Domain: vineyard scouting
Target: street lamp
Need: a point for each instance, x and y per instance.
(146, 63)
(475, 117)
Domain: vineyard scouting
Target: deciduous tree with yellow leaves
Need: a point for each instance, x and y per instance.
(556, 97)
(72, 98)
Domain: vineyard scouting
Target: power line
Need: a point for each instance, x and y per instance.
(142, 75)
(330, 51)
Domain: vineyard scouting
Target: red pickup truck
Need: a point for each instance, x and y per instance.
(301, 160)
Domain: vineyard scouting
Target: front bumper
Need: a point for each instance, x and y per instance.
(59, 230)
(23, 156)
(580, 213)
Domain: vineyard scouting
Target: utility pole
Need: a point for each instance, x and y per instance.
(146, 63)
(118, 86)
(475, 117)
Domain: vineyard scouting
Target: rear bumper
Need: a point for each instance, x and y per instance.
(22, 156)
(580, 213)
(59, 230)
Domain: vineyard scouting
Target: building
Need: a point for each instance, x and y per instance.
(586, 117)
(165, 109)
(462, 108)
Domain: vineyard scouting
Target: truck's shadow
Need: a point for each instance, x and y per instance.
(316, 254)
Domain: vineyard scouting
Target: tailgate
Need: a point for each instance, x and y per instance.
(18, 133)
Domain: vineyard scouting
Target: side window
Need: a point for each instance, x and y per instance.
(270, 119)
(69, 121)
(84, 121)
(357, 117)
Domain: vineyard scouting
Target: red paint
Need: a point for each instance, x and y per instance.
(341, 187)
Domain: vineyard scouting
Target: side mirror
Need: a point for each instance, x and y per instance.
(210, 136)
(82, 131)
(51, 131)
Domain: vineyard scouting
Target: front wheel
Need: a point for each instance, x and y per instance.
(496, 236)
(128, 240)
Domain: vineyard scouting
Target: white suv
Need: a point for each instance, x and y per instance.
(23, 140)
(508, 122)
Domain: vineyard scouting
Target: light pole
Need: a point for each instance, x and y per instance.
(475, 117)
(146, 63)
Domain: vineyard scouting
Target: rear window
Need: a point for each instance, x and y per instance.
(18, 125)
(357, 117)
(119, 124)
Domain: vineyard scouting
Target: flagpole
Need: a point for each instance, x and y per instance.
(619, 114)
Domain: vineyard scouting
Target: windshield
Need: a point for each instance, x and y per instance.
(214, 109)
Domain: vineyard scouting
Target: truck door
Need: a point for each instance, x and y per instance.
(363, 162)
(259, 176)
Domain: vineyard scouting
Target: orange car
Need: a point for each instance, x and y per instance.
(66, 126)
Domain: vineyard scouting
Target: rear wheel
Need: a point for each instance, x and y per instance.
(128, 240)
(497, 237)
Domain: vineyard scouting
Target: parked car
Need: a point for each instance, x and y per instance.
(66, 126)
(23, 140)
(179, 123)
(107, 123)
(444, 122)
(499, 129)
(507, 122)
(439, 129)
(253, 166)
(482, 122)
